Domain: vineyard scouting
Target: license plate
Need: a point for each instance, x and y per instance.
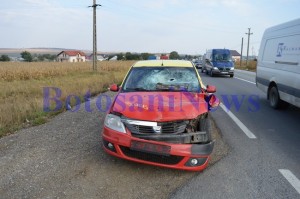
(150, 148)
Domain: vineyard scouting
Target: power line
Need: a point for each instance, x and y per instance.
(248, 44)
(94, 6)
(242, 46)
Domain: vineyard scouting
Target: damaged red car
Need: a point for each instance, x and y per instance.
(160, 116)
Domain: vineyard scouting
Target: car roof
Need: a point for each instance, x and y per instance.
(165, 63)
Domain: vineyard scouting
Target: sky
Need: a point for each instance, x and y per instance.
(153, 26)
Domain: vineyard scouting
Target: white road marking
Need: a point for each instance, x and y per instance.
(245, 80)
(293, 180)
(238, 122)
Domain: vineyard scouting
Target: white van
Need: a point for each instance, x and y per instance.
(278, 68)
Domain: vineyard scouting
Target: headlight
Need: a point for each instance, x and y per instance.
(232, 68)
(114, 122)
(215, 68)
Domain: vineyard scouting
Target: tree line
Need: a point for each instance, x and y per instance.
(145, 56)
(28, 57)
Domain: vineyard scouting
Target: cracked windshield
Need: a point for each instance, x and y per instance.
(162, 79)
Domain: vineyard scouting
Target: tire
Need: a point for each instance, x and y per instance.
(275, 101)
(209, 130)
(231, 76)
(274, 97)
(211, 73)
(205, 125)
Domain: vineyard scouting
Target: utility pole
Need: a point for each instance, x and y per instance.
(242, 51)
(248, 44)
(94, 6)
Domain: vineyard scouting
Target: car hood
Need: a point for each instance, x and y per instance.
(160, 106)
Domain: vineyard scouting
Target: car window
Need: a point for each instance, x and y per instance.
(162, 79)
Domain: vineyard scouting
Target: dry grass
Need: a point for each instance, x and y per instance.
(251, 65)
(11, 71)
(21, 86)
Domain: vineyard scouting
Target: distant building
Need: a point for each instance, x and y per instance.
(235, 55)
(164, 57)
(152, 57)
(100, 57)
(114, 58)
(71, 56)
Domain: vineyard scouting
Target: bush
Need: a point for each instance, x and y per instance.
(4, 58)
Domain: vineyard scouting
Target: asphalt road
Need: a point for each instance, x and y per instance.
(262, 163)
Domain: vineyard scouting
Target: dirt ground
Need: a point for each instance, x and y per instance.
(64, 159)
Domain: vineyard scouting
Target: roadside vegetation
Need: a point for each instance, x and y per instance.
(250, 67)
(22, 84)
(4, 58)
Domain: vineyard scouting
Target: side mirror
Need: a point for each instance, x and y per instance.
(213, 101)
(211, 89)
(114, 88)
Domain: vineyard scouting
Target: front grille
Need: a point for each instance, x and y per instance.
(224, 69)
(166, 127)
(162, 159)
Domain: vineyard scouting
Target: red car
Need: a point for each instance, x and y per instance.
(160, 115)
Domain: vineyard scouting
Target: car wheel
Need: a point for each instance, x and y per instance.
(274, 97)
(206, 127)
(275, 101)
(211, 73)
(231, 75)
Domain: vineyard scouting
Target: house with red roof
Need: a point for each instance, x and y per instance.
(235, 55)
(71, 56)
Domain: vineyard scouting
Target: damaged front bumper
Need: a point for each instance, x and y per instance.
(183, 138)
(170, 151)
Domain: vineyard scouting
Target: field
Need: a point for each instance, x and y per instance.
(22, 88)
(251, 65)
